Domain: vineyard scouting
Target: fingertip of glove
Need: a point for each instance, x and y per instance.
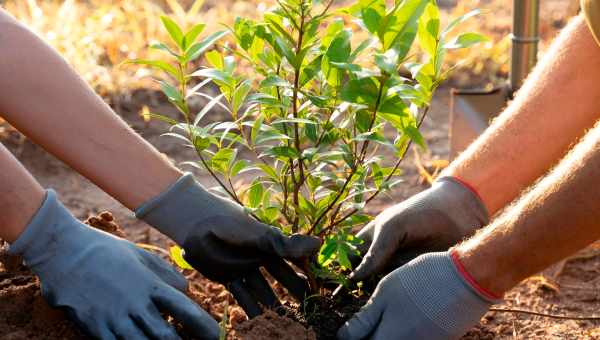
(302, 246)
(342, 333)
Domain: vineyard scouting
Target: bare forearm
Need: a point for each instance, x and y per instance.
(557, 218)
(553, 109)
(21, 196)
(46, 100)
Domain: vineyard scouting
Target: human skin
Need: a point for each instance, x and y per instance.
(561, 211)
(552, 221)
(46, 100)
(552, 110)
(21, 196)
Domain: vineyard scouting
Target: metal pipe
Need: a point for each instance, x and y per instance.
(525, 38)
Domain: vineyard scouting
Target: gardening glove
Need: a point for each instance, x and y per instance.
(111, 288)
(433, 220)
(428, 298)
(226, 245)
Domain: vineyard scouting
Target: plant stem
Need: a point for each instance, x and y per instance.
(353, 169)
(295, 90)
(396, 166)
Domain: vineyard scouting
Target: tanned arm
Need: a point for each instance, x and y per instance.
(559, 216)
(550, 113)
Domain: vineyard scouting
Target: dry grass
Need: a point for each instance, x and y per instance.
(95, 36)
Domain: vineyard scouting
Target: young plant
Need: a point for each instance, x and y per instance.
(310, 105)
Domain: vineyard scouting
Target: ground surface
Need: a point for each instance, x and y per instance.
(569, 288)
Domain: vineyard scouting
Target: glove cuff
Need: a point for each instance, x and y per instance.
(449, 301)
(465, 197)
(172, 211)
(470, 280)
(40, 239)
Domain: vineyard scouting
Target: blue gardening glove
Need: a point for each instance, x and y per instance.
(431, 221)
(111, 288)
(226, 245)
(428, 298)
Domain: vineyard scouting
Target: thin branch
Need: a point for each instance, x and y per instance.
(295, 90)
(546, 315)
(353, 169)
(396, 166)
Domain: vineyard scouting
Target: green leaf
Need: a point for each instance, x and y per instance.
(214, 101)
(327, 252)
(239, 96)
(270, 134)
(158, 64)
(256, 129)
(244, 32)
(285, 50)
(170, 91)
(163, 118)
(177, 257)
(293, 120)
(270, 171)
(215, 74)
(361, 91)
(199, 48)
(222, 160)
(215, 59)
(191, 36)
(339, 50)
(255, 194)
(388, 61)
(363, 120)
(281, 151)
(400, 26)
(429, 29)
(465, 40)
(373, 15)
(342, 255)
(332, 30)
(165, 48)
(174, 31)
(276, 81)
(460, 20)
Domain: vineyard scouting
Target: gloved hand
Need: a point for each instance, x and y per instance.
(428, 298)
(108, 286)
(433, 220)
(226, 245)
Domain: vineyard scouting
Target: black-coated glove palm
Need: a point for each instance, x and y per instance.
(226, 245)
(431, 221)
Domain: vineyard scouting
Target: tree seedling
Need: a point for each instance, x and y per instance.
(312, 96)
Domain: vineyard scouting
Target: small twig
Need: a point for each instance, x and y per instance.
(546, 315)
(396, 166)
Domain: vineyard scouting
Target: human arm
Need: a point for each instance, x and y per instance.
(441, 295)
(81, 269)
(46, 100)
(557, 103)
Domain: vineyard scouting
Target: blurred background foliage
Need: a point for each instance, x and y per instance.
(96, 36)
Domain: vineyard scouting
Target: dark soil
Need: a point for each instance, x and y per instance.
(326, 314)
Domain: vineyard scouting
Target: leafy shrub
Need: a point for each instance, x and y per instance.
(314, 111)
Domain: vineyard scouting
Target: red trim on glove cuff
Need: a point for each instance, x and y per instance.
(468, 186)
(463, 271)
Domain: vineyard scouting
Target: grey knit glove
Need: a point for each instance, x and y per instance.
(433, 220)
(226, 245)
(428, 298)
(110, 287)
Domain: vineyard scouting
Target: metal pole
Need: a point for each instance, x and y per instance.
(525, 38)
